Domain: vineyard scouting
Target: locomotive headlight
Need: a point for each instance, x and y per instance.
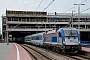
(79, 42)
(63, 46)
(64, 42)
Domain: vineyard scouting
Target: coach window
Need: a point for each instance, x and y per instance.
(28, 37)
(32, 38)
(40, 37)
(37, 38)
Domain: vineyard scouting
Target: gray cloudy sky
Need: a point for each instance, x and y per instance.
(59, 6)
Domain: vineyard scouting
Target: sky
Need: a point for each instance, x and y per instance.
(59, 6)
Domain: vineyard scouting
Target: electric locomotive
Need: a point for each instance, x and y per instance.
(65, 40)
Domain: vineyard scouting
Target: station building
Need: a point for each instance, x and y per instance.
(17, 24)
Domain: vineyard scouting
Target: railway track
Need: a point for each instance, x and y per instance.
(86, 57)
(73, 57)
(70, 57)
(36, 54)
(77, 57)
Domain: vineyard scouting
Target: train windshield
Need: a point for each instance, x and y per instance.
(70, 32)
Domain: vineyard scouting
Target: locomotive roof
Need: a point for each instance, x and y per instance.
(52, 31)
(35, 34)
(67, 29)
(38, 34)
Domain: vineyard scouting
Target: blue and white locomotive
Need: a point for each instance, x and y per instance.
(63, 40)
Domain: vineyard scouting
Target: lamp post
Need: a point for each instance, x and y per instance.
(78, 14)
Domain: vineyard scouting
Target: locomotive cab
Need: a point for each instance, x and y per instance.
(69, 40)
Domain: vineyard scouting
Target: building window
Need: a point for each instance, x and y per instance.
(9, 19)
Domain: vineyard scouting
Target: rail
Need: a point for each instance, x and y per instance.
(39, 52)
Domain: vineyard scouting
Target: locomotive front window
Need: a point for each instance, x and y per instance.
(70, 32)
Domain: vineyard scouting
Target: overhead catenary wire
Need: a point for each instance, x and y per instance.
(36, 10)
(66, 10)
(83, 1)
(39, 5)
(48, 5)
(85, 9)
(74, 6)
(69, 9)
(82, 10)
(79, 12)
(44, 6)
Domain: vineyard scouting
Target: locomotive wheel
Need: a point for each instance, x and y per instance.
(62, 51)
(57, 50)
(53, 49)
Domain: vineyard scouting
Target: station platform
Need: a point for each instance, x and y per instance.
(13, 51)
(85, 49)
